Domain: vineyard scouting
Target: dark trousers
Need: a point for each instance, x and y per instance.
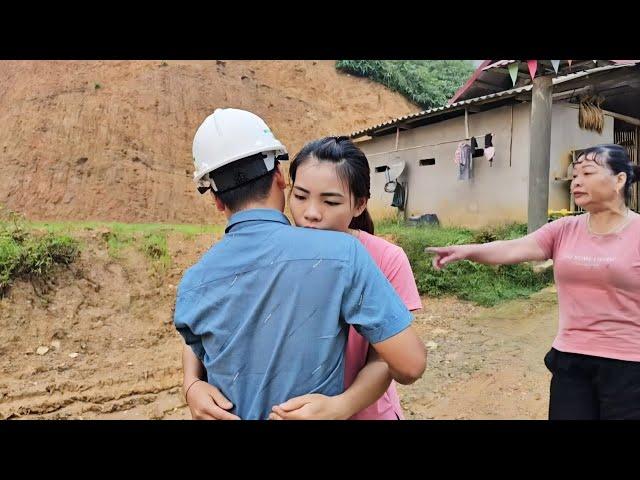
(584, 387)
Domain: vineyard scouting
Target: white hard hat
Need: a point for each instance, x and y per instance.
(229, 135)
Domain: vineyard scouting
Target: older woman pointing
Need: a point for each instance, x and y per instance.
(595, 357)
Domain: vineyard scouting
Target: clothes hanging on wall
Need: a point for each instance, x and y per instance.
(489, 150)
(488, 140)
(475, 151)
(398, 197)
(466, 151)
(457, 155)
(465, 165)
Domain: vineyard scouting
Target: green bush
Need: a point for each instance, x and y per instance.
(23, 255)
(483, 284)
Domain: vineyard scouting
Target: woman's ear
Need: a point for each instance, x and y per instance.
(361, 205)
(621, 180)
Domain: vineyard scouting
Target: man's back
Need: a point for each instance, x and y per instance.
(262, 310)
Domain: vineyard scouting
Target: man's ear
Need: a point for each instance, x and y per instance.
(279, 177)
(219, 205)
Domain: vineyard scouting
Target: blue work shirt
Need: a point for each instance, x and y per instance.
(267, 309)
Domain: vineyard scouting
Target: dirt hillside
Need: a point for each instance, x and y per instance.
(111, 140)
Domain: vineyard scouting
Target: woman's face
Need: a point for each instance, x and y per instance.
(319, 199)
(594, 185)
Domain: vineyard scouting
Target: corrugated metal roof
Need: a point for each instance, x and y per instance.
(582, 73)
(453, 106)
(500, 63)
(503, 94)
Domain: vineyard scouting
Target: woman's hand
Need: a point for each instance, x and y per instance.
(445, 255)
(313, 406)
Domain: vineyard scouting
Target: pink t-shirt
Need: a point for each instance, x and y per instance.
(394, 264)
(598, 282)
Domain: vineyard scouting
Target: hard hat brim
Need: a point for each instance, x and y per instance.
(279, 151)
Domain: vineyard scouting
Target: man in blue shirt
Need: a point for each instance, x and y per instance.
(266, 310)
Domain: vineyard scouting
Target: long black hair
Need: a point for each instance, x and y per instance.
(352, 167)
(617, 159)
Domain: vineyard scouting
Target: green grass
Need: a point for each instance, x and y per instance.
(154, 246)
(151, 238)
(483, 284)
(33, 248)
(116, 242)
(31, 256)
(125, 228)
(30, 249)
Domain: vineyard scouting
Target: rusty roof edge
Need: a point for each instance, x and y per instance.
(452, 107)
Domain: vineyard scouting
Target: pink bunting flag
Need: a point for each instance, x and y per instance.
(533, 66)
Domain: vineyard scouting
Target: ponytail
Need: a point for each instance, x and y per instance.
(363, 222)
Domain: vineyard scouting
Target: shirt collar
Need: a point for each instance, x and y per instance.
(256, 214)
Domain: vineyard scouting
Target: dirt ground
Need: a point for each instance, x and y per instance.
(100, 344)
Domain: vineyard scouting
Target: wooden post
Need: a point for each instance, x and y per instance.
(466, 124)
(539, 152)
(624, 118)
(511, 137)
